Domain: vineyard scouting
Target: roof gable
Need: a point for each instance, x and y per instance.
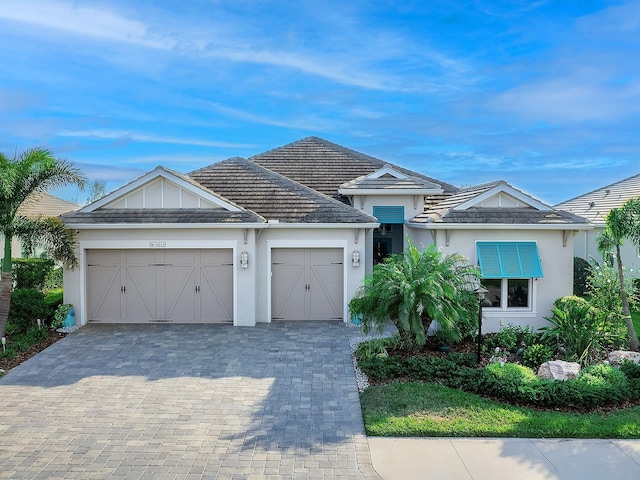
(389, 181)
(162, 189)
(324, 166)
(495, 203)
(496, 195)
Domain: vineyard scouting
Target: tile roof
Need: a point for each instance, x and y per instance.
(161, 215)
(445, 211)
(324, 166)
(388, 182)
(480, 215)
(41, 203)
(274, 196)
(597, 204)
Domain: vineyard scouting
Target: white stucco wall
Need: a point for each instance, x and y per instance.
(585, 247)
(557, 267)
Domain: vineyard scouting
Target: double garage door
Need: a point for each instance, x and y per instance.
(138, 286)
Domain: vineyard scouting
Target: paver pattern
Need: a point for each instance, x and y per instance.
(163, 401)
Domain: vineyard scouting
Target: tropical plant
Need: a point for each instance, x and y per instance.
(33, 171)
(579, 328)
(415, 288)
(621, 223)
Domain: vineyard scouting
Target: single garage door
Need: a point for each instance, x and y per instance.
(138, 286)
(307, 284)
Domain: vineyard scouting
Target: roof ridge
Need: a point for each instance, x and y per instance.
(598, 189)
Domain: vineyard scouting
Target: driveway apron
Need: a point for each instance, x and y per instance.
(187, 401)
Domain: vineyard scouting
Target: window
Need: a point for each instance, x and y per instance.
(508, 293)
(508, 271)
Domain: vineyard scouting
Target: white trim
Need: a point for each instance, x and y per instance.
(509, 190)
(389, 191)
(85, 245)
(500, 226)
(146, 226)
(343, 244)
(160, 172)
(387, 169)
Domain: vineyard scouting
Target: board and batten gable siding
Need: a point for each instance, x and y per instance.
(160, 193)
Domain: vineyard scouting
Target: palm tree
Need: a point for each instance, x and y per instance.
(621, 223)
(413, 289)
(33, 171)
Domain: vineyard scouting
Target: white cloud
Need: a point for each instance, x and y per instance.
(145, 138)
(74, 18)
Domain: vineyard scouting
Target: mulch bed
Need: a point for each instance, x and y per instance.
(7, 364)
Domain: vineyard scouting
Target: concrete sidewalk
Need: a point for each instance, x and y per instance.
(508, 459)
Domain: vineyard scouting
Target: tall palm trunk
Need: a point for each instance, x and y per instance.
(633, 338)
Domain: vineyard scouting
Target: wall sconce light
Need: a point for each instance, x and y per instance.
(355, 258)
(244, 260)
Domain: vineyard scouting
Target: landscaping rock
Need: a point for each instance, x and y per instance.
(618, 356)
(559, 370)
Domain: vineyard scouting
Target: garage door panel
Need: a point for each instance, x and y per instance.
(104, 295)
(326, 295)
(179, 301)
(141, 293)
(288, 292)
(216, 293)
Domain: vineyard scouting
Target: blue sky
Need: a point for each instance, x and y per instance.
(542, 94)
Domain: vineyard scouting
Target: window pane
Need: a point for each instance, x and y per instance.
(494, 285)
(518, 293)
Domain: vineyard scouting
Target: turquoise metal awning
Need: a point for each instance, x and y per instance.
(389, 214)
(509, 260)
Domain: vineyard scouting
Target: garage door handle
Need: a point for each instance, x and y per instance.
(123, 289)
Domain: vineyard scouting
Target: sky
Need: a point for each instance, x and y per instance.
(542, 94)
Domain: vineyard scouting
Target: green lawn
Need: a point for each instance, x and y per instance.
(636, 321)
(430, 410)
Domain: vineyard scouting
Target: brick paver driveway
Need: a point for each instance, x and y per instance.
(186, 401)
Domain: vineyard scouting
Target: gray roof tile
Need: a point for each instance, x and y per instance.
(597, 204)
(274, 196)
(324, 166)
(157, 215)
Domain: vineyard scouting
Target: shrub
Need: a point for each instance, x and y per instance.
(27, 305)
(510, 338)
(582, 329)
(413, 289)
(24, 341)
(536, 354)
(581, 272)
(53, 280)
(31, 272)
(60, 314)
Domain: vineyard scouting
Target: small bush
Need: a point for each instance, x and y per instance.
(60, 314)
(581, 272)
(27, 305)
(510, 338)
(20, 342)
(31, 272)
(535, 355)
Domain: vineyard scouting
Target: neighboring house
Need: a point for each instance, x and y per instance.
(291, 234)
(595, 206)
(38, 204)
